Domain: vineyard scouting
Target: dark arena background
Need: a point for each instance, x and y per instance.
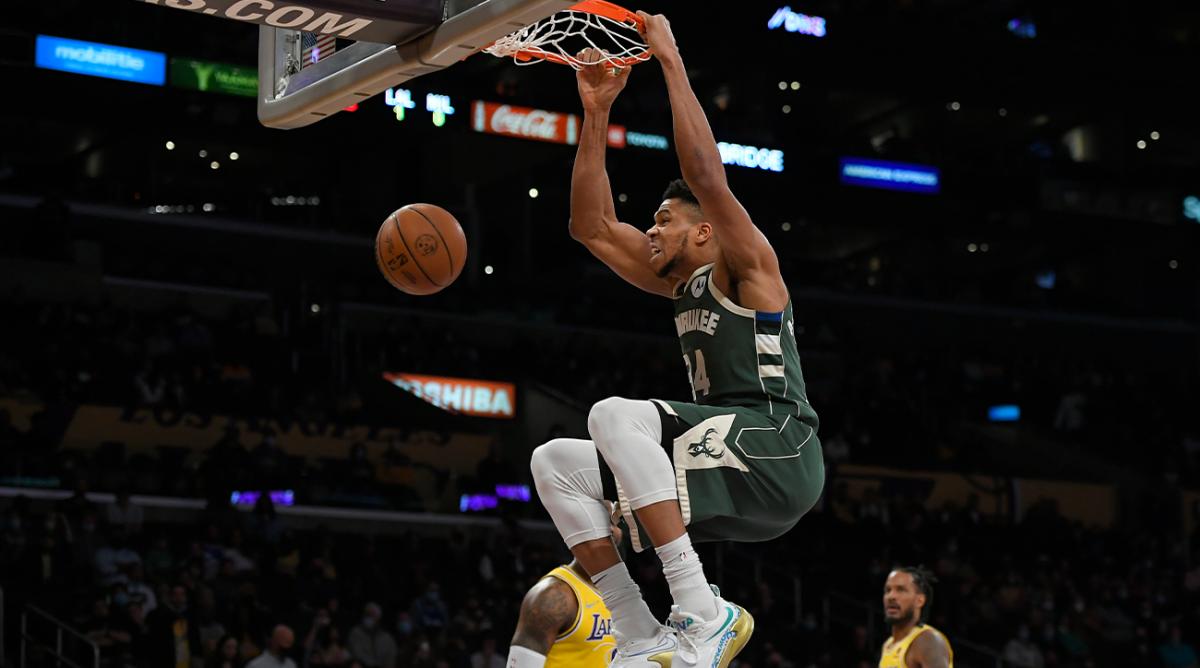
(217, 417)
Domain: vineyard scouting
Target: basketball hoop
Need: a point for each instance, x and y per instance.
(610, 29)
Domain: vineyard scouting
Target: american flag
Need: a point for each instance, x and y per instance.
(315, 47)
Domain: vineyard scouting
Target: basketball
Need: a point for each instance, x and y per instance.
(420, 249)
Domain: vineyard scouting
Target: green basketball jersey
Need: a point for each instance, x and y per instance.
(736, 356)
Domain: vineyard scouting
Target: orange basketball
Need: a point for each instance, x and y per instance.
(420, 249)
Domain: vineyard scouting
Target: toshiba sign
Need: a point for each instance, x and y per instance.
(482, 398)
(536, 124)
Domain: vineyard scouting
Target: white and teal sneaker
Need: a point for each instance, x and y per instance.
(710, 643)
(653, 652)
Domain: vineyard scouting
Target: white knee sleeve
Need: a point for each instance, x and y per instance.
(566, 472)
(628, 434)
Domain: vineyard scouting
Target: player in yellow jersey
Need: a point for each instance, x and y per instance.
(907, 597)
(564, 622)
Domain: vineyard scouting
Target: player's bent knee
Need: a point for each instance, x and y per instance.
(541, 462)
(607, 414)
(561, 456)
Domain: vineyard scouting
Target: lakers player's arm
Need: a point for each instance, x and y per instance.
(549, 610)
(746, 253)
(625, 249)
(928, 650)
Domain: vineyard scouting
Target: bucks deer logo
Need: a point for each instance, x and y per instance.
(702, 448)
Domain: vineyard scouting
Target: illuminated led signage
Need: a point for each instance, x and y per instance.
(1023, 28)
(478, 502)
(514, 492)
(616, 136)
(279, 497)
(101, 60)
(751, 156)
(524, 122)
(210, 77)
(890, 175)
(643, 140)
(537, 124)
(482, 398)
(796, 22)
(439, 106)
(1004, 413)
(399, 99)
(1191, 208)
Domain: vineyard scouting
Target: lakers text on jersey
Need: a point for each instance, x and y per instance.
(589, 643)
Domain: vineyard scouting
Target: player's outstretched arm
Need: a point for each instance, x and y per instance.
(928, 650)
(625, 249)
(549, 609)
(745, 248)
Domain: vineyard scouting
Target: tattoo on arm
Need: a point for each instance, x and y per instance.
(549, 609)
(928, 650)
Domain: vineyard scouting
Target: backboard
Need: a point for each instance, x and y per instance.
(392, 41)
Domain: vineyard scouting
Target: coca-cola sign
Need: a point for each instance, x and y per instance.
(525, 122)
(538, 124)
(616, 136)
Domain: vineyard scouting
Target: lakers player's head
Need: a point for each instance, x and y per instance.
(908, 595)
(681, 238)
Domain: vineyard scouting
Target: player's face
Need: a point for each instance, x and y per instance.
(901, 598)
(669, 235)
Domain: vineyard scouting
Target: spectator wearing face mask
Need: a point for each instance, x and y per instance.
(429, 611)
(370, 643)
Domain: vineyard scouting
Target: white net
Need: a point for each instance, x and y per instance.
(563, 35)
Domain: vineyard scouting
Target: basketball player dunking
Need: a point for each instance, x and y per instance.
(907, 596)
(740, 463)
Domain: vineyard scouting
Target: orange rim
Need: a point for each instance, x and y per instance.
(611, 11)
(600, 8)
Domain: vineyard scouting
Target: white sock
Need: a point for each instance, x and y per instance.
(685, 577)
(630, 614)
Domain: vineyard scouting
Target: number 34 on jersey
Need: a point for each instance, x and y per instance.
(697, 374)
